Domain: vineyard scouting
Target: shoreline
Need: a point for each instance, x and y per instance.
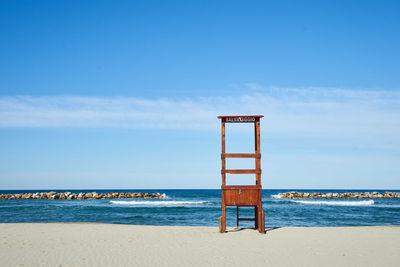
(101, 244)
(231, 229)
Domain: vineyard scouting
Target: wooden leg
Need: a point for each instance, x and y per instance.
(237, 217)
(222, 220)
(255, 217)
(261, 228)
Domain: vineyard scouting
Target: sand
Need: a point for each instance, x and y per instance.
(81, 244)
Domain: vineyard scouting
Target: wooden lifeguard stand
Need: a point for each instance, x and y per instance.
(242, 195)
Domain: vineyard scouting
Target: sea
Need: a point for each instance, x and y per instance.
(203, 208)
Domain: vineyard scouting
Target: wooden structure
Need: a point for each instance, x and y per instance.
(242, 195)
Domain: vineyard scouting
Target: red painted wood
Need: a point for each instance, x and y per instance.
(240, 155)
(233, 187)
(241, 171)
(242, 195)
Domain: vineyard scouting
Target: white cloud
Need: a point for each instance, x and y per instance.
(326, 112)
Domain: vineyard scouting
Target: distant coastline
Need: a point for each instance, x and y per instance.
(52, 195)
(354, 195)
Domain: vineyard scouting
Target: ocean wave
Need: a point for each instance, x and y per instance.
(277, 196)
(157, 203)
(163, 195)
(337, 203)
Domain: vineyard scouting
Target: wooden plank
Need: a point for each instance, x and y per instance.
(240, 155)
(247, 219)
(242, 171)
(240, 119)
(239, 197)
(243, 187)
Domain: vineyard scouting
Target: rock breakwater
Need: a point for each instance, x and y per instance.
(70, 196)
(294, 195)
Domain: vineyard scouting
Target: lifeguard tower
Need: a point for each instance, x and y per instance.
(242, 195)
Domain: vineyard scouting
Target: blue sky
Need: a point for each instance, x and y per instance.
(125, 94)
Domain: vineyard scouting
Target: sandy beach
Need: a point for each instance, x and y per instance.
(86, 244)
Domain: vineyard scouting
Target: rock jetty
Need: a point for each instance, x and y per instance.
(70, 196)
(293, 194)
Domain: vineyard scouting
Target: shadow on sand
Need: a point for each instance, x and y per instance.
(232, 230)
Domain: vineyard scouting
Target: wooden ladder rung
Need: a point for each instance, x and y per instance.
(243, 171)
(241, 155)
(246, 219)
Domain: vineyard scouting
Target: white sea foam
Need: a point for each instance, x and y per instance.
(159, 203)
(277, 195)
(337, 203)
(163, 195)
